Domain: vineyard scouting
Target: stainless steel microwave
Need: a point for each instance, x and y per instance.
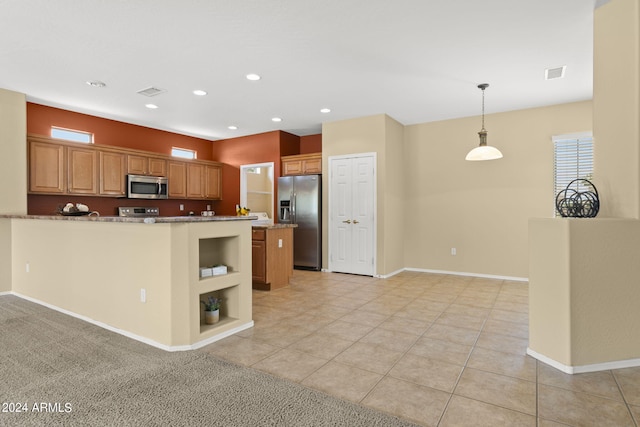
(147, 187)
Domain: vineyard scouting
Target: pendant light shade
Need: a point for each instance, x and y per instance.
(484, 151)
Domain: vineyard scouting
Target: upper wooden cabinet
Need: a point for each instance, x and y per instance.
(146, 165)
(194, 180)
(82, 174)
(177, 180)
(302, 164)
(112, 173)
(213, 182)
(47, 168)
(62, 167)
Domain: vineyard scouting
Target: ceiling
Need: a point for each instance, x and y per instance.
(415, 60)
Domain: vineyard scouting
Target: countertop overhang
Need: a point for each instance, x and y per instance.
(125, 219)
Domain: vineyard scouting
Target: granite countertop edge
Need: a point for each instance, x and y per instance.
(270, 226)
(150, 220)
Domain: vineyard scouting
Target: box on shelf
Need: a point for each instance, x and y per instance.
(206, 272)
(220, 269)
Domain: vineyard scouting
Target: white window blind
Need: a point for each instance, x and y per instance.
(572, 159)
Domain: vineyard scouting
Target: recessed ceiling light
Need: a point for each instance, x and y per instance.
(233, 127)
(96, 83)
(276, 119)
(253, 77)
(325, 110)
(200, 92)
(151, 106)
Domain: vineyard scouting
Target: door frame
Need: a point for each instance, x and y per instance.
(243, 184)
(374, 227)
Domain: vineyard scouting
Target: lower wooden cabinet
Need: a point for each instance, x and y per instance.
(272, 257)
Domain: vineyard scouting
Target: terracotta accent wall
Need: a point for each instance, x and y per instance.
(311, 144)
(40, 118)
(259, 148)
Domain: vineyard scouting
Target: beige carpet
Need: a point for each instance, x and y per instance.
(62, 371)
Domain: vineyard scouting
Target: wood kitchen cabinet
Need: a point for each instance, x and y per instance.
(82, 173)
(112, 173)
(213, 181)
(47, 168)
(302, 164)
(146, 165)
(272, 257)
(64, 167)
(195, 181)
(177, 180)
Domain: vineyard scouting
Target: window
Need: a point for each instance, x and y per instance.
(72, 135)
(572, 159)
(183, 153)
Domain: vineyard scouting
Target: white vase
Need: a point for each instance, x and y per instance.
(211, 317)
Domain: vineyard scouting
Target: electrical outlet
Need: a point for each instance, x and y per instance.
(27, 267)
(143, 295)
(453, 251)
(181, 207)
(208, 207)
(279, 243)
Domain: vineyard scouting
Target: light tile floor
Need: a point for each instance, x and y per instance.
(435, 349)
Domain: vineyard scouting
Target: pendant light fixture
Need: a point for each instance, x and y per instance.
(484, 151)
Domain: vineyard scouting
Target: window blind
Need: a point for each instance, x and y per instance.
(573, 159)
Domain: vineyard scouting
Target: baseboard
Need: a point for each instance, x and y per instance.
(133, 336)
(461, 273)
(6, 293)
(596, 367)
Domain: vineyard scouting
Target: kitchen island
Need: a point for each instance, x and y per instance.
(136, 276)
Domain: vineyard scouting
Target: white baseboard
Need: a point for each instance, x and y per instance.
(132, 335)
(596, 367)
(461, 273)
(6, 293)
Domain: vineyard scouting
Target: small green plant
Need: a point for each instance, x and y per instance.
(212, 304)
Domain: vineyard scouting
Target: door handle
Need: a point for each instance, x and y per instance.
(347, 221)
(355, 221)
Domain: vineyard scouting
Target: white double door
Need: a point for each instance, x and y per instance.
(352, 214)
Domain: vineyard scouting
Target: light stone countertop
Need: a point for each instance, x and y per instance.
(148, 220)
(268, 226)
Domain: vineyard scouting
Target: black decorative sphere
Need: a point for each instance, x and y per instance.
(578, 204)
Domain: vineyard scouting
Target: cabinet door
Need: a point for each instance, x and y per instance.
(112, 173)
(292, 167)
(82, 171)
(213, 182)
(177, 180)
(312, 166)
(258, 261)
(195, 181)
(157, 166)
(137, 165)
(46, 168)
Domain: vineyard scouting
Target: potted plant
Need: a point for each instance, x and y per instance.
(211, 310)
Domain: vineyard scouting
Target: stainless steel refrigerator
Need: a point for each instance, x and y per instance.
(299, 202)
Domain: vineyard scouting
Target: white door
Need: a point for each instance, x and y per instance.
(351, 214)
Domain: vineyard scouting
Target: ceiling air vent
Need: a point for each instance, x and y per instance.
(554, 73)
(151, 91)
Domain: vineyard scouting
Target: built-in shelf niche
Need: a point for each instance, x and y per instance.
(219, 251)
(229, 307)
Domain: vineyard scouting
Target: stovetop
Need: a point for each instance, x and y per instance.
(138, 211)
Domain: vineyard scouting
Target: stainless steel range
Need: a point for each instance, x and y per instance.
(138, 211)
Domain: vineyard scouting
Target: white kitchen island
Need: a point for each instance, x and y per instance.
(135, 277)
